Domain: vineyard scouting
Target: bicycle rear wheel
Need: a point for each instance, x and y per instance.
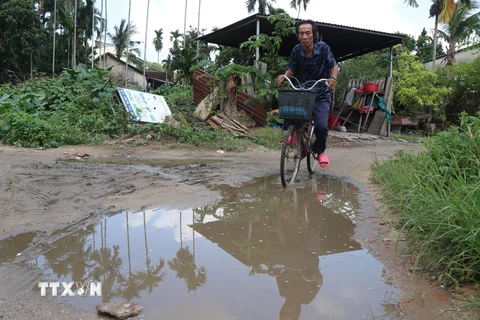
(311, 158)
(291, 155)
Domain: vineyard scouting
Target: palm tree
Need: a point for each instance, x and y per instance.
(128, 47)
(158, 42)
(54, 32)
(74, 53)
(167, 64)
(185, 19)
(460, 27)
(448, 7)
(105, 36)
(295, 3)
(121, 38)
(174, 35)
(145, 48)
(435, 11)
(263, 5)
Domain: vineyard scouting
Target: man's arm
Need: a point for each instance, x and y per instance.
(332, 82)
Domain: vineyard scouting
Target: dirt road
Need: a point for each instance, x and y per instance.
(41, 193)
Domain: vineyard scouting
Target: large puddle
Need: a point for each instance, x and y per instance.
(262, 252)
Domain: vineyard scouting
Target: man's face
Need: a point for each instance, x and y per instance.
(305, 34)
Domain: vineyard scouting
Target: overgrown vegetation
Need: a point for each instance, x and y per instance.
(416, 90)
(436, 194)
(74, 108)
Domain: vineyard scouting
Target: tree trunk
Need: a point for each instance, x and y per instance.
(145, 50)
(102, 25)
(128, 43)
(451, 52)
(435, 43)
(54, 33)
(74, 46)
(185, 19)
(105, 37)
(229, 105)
(93, 31)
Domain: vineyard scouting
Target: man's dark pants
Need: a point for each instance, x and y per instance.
(321, 111)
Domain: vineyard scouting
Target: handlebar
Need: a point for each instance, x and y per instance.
(324, 81)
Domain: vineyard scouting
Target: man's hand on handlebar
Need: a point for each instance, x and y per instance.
(332, 82)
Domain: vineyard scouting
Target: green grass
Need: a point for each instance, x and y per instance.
(407, 137)
(436, 194)
(267, 136)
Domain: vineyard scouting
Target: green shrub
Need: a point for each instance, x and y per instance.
(464, 79)
(416, 89)
(77, 107)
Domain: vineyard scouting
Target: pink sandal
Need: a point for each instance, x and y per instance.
(323, 160)
(290, 140)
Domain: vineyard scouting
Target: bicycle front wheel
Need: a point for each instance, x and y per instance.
(291, 156)
(311, 160)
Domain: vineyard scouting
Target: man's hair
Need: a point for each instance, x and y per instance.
(314, 28)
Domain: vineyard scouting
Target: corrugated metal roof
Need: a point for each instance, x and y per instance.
(346, 42)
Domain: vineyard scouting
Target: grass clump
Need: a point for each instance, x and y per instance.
(436, 194)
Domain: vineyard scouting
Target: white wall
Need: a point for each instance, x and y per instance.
(460, 56)
(118, 72)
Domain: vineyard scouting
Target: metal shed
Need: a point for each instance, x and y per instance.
(345, 42)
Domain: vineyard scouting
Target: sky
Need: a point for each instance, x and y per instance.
(378, 15)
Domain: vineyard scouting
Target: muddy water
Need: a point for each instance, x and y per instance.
(261, 252)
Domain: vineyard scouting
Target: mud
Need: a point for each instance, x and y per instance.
(45, 196)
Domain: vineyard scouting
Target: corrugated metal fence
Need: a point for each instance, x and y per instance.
(254, 108)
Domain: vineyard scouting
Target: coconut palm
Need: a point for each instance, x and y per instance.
(167, 64)
(174, 35)
(460, 27)
(74, 50)
(145, 47)
(158, 42)
(298, 3)
(435, 11)
(263, 5)
(448, 7)
(121, 38)
(185, 18)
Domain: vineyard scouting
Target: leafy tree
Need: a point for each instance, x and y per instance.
(463, 78)
(370, 66)
(227, 55)
(461, 26)
(424, 47)
(21, 34)
(153, 66)
(416, 89)
(158, 42)
(408, 41)
(185, 53)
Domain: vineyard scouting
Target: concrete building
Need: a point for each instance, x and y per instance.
(462, 55)
(134, 75)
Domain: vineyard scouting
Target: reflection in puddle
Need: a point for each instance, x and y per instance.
(263, 252)
(11, 246)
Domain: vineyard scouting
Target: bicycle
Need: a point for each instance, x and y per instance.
(296, 105)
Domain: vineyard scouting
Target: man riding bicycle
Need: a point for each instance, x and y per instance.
(312, 59)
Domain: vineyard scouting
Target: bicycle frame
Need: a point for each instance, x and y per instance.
(296, 145)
